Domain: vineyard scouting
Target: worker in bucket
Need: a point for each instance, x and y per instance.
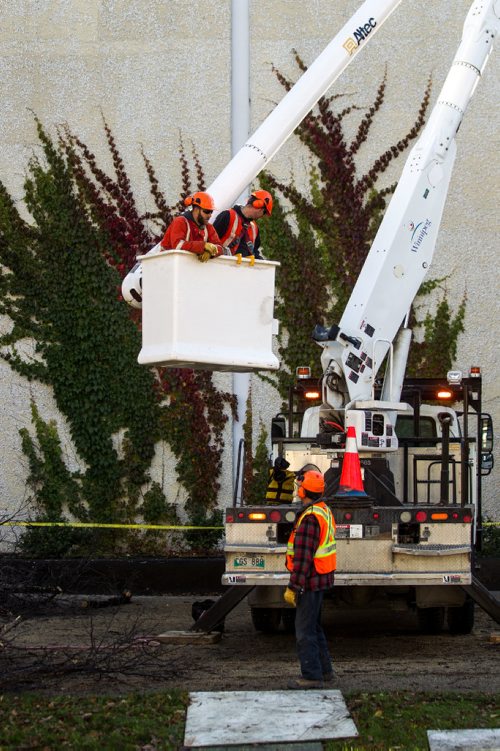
(237, 227)
(192, 230)
(311, 559)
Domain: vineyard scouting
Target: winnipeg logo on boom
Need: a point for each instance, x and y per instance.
(419, 232)
(360, 34)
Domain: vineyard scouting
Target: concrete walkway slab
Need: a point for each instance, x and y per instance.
(464, 740)
(313, 746)
(232, 718)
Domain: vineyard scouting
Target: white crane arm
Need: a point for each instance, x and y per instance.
(403, 248)
(255, 154)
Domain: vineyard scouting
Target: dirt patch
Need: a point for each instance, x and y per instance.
(112, 649)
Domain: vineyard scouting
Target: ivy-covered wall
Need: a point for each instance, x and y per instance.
(60, 290)
(134, 63)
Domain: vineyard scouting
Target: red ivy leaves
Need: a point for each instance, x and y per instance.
(193, 410)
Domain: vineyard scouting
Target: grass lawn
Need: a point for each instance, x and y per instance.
(155, 721)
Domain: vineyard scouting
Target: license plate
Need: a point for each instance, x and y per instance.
(248, 561)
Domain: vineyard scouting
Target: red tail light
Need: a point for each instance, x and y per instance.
(303, 371)
(421, 516)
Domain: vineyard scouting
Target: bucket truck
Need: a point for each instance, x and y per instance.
(410, 540)
(407, 538)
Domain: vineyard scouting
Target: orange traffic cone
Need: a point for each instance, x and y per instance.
(351, 482)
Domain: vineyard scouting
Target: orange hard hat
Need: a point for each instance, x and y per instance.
(313, 482)
(261, 199)
(200, 199)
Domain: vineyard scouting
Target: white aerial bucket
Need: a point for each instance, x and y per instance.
(216, 315)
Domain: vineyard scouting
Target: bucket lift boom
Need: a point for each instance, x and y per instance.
(169, 338)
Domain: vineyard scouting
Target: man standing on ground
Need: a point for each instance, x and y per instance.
(311, 559)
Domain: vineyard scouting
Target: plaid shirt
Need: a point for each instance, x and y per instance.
(304, 574)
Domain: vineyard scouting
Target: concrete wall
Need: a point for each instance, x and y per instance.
(159, 69)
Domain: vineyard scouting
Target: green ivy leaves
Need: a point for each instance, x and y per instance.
(59, 286)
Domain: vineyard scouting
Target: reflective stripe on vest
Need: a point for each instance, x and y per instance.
(325, 557)
(235, 232)
(229, 241)
(185, 239)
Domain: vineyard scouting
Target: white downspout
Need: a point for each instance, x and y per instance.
(240, 131)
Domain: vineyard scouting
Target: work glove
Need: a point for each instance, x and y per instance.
(290, 597)
(212, 249)
(204, 257)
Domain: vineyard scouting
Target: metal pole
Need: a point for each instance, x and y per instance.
(240, 128)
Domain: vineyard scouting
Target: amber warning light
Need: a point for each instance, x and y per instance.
(444, 394)
(312, 394)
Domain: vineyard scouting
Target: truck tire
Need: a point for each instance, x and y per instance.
(461, 619)
(430, 620)
(266, 620)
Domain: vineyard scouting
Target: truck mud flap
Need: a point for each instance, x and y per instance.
(484, 598)
(221, 607)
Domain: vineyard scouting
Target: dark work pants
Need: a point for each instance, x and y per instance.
(312, 647)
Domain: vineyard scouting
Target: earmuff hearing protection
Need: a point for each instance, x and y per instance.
(301, 492)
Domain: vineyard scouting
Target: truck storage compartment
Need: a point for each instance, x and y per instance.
(216, 315)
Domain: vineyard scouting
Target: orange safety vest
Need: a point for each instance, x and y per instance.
(325, 557)
(235, 231)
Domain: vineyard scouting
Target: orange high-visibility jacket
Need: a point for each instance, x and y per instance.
(325, 557)
(233, 228)
(184, 234)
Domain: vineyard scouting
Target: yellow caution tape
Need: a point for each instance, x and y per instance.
(102, 526)
(252, 260)
(130, 526)
(238, 258)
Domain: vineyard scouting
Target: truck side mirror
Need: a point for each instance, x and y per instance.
(487, 463)
(486, 444)
(486, 427)
(278, 428)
